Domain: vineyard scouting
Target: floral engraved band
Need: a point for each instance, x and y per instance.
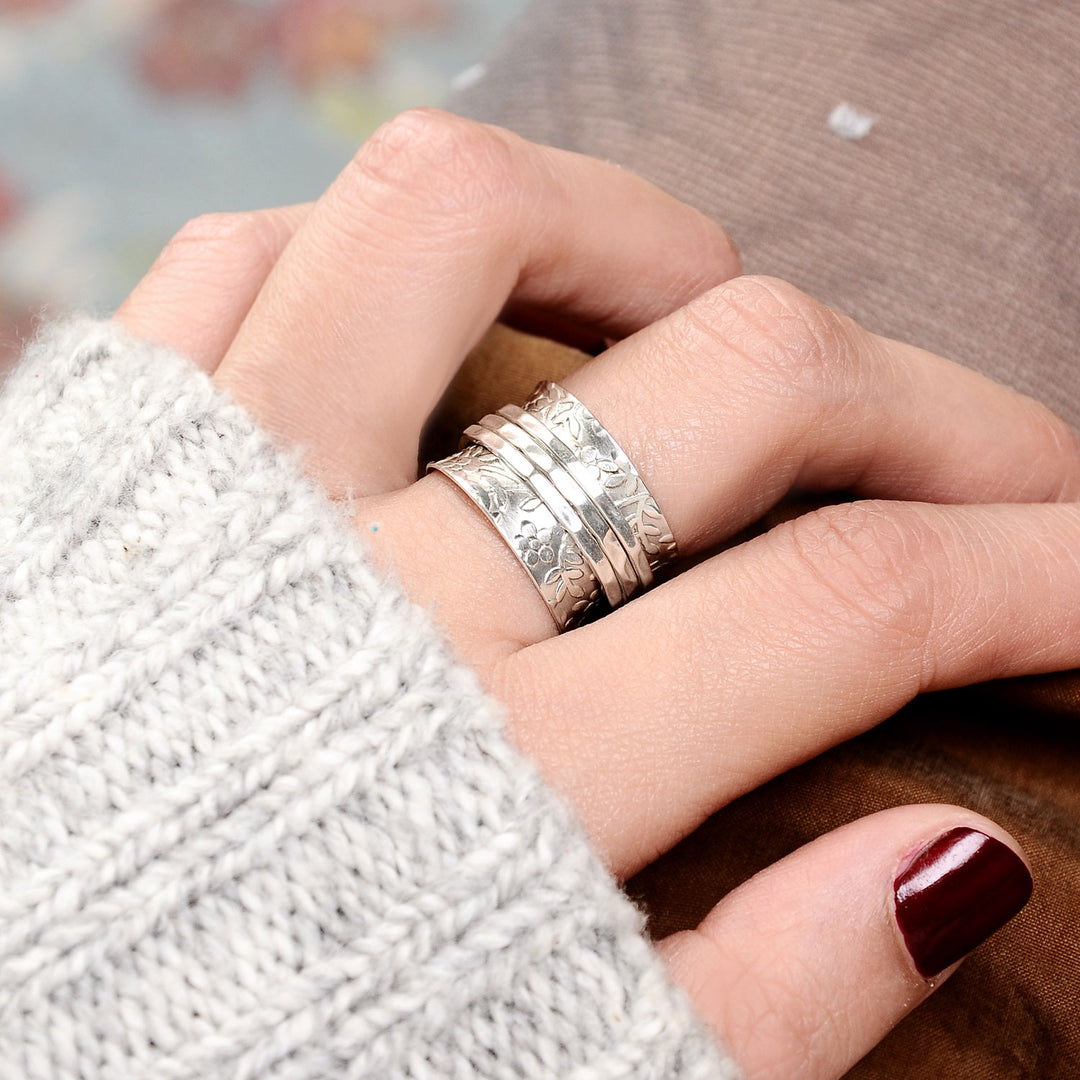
(567, 501)
(543, 546)
(567, 418)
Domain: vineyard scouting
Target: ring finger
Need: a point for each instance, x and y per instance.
(725, 405)
(755, 387)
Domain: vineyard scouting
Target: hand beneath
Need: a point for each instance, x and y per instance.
(339, 326)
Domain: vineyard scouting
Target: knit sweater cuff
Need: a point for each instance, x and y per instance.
(255, 822)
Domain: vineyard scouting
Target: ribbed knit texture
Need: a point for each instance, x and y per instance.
(255, 822)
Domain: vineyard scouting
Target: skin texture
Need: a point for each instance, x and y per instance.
(339, 326)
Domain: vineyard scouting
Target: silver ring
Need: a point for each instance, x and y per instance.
(553, 561)
(599, 544)
(553, 499)
(567, 501)
(594, 447)
(592, 487)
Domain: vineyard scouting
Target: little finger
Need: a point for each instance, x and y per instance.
(766, 655)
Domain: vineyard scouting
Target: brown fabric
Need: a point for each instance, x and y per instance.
(954, 224)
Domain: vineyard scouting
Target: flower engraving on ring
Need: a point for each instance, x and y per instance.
(535, 544)
(566, 499)
(604, 468)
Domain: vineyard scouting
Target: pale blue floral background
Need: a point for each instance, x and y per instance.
(120, 119)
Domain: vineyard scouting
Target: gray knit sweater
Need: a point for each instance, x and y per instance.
(255, 821)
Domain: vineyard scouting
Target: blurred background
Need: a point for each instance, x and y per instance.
(121, 119)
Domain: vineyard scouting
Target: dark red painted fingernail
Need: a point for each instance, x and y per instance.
(957, 891)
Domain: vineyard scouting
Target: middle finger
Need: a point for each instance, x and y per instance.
(408, 258)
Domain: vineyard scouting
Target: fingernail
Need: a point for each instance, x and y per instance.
(955, 893)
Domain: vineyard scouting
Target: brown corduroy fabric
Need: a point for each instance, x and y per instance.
(955, 224)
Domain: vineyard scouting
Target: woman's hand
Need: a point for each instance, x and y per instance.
(340, 325)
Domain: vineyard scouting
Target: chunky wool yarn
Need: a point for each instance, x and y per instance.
(255, 822)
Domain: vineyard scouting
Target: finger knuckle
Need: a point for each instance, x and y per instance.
(871, 566)
(1060, 446)
(794, 346)
(429, 160)
(210, 236)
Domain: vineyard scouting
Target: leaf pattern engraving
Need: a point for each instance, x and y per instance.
(651, 537)
(573, 577)
(603, 468)
(564, 417)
